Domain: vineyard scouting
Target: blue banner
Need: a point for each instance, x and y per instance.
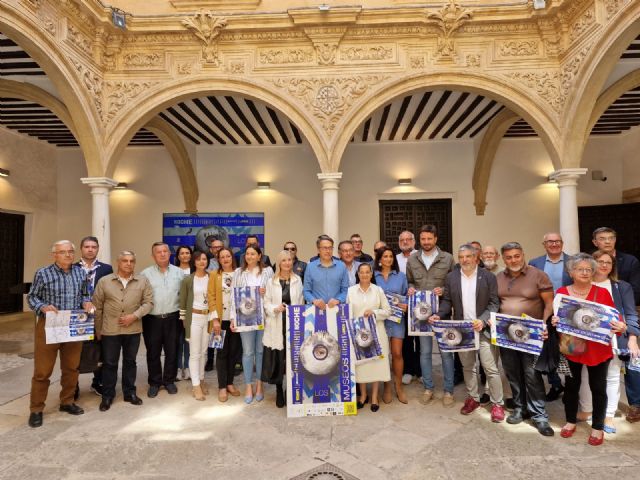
(422, 305)
(249, 314)
(364, 338)
(584, 319)
(517, 333)
(456, 335)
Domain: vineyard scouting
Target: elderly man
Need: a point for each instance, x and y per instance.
(490, 257)
(159, 328)
(471, 293)
(427, 270)
(524, 289)
(121, 300)
(214, 248)
(326, 280)
(407, 244)
(347, 253)
(628, 266)
(60, 286)
(360, 256)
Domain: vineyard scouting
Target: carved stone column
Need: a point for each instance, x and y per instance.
(330, 185)
(567, 179)
(100, 223)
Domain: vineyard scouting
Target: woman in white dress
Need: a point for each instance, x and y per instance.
(364, 299)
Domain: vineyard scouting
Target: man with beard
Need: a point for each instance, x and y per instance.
(490, 257)
(524, 289)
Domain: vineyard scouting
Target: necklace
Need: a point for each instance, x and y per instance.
(578, 292)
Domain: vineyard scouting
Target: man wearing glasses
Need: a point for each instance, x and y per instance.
(628, 266)
(326, 280)
(214, 249)
(298, 265)
(360, 256)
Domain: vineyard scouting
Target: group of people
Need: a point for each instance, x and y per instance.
(177, 309)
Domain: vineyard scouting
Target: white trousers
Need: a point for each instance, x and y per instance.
(613, 388)
(198, 344)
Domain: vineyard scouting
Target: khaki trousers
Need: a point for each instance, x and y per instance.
(489, 359)
(43, 362)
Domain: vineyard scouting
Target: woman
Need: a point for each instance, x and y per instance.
(194, 312)
(285, 288)
(367, 299)
(596, 357)
(389, 277)
(253, 274)
(606, 276)
(219, 295)
(183, 261)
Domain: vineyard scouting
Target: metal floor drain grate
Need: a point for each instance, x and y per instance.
(326, 471)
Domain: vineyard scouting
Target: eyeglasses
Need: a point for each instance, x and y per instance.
(290, 249)
(584, 270)
(604, 262)
(553, 242)
(65, 252)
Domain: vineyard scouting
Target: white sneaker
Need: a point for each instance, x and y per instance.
(186, 374)
(406, 378)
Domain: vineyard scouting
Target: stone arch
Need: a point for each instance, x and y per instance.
(524, 106)
(173, 143)
(596, 68)
(611, 94)
(140, 113)
(44, 50)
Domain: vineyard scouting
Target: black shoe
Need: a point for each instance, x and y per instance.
(554, 394)
(526, 415)
(105, 404)
(171, 388)
(76, 394)
(545, 429)
(133, 399)
(153, 391)
(96, 388)
(509, 404)
(484, 399)
(208, 366)
(71, 409)
(515, 417)
(280, 402)
(237, 369)
(375, 407)
(360, 404)
(35, 419)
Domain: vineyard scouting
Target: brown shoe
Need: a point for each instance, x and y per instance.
(448, 400)
(223, 396)
(205, 387)
(198, 394)
(233, 391)
(386, 394)
(634, 414)
(402, 397)
(427, 396)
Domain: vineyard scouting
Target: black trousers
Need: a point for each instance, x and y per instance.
(160, 334)
(411, 352)
(526, 383)
(226, 362)
(598, 387)
(111, 346)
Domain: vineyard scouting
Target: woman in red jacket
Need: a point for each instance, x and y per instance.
(596, 356)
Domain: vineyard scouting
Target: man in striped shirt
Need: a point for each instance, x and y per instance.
(60, 286)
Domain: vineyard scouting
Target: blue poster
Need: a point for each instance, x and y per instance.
(395, 300)
(320, 362)
(364, 338)
(456, 335)
(517, 333)
(199, 230)
(584, 319)
(422, 305)
(247, 309)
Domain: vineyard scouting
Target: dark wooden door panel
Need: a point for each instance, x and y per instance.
(11, 261)
(623, 218)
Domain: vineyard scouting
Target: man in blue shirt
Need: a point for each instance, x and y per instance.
(326, 280)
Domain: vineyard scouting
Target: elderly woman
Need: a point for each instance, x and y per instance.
(285, 288)
(596, 356)
(606, 276)
(365, 299)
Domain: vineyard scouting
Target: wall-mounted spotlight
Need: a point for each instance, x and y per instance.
(264, 185)
(539, 4)
(404, 181)
(119, 18)
(598, 175)
(4, 172)
(121, 186)
(324, 7)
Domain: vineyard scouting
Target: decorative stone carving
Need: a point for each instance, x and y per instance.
(92, 82)
(157, 38)
(49, 24)
(236, 67)
(519, 48)
(281, 56)
(379, 52)
(184, 68)
(551, 38)
(473, 60)
(389, 31)
(417, 62)
(326, 53)
(583, 22)
(545, 83)
(143, 59)
(571, 68)
(78, 39)
(449, 19)
(76, 13)
(118, 94)
(329, 98)
(613, 6)
(207, 27)
(33, 4)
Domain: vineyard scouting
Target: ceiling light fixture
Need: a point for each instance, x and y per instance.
(4, 172)
(121, 186)
(264, 185)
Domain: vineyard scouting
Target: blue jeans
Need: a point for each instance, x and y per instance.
(426, 347)
(251, 349)
(632, 387)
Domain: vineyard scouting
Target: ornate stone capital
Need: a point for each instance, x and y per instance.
(330, 181)
(567, 177)
(99, 184)
(207, 28)
(448, 20)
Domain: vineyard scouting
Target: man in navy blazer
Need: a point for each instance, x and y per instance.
(628, 266)
(471, 293)
(95, 270)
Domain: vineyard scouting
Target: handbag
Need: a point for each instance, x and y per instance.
(570, 345)
(90, 358)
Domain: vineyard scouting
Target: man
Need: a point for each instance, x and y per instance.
(346, 252)
(472, 294)
(379, 245)
(59, 286)
(490, 257)
(252, 240)
(298, 265)
(214, 248)
(524, 289)
(628, 266)
(159, 328)
(427, 270)
(410, 345)
(121, 300)
(360, 256)
(326, 280)
(553, 264)
(95, 270)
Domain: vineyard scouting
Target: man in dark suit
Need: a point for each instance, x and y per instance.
(553, 264)
(471, 293)
(95, 270)
(604, 238)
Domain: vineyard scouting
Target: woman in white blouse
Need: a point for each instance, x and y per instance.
(365, 299)
(253, 274)
(285, 288)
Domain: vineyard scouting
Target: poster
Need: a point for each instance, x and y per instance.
(584, 319)
(517, 333)
(395, 299)
(69, 326)
(217, 341)
(199, 230)
(456, 335)
(320, 362)
(422, 305)
(249, 313)
(364, 339)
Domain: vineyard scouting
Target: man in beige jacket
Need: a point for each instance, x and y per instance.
(121, 300)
